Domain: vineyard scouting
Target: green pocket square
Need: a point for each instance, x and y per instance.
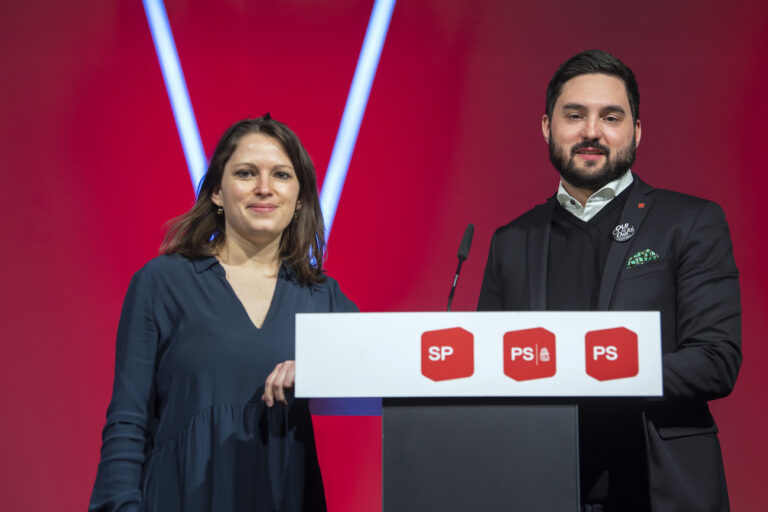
(641, 258)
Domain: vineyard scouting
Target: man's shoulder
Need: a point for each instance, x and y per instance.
(536, 217)
(672, 202)
(673, 196)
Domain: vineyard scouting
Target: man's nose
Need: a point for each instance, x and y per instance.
(591, 128)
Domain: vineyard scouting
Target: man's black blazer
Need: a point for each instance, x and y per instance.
(694, 283)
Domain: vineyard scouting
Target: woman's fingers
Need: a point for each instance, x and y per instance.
(281, 378)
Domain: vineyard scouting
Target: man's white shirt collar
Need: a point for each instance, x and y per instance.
(596, 201)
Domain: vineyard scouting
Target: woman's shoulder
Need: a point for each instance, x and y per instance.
(328, 283)
(172, 266)
(329, 289)
(323, 284)
(165, 263)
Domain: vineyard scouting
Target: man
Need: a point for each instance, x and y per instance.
(608, 241)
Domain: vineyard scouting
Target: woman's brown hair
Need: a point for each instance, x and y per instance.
(200, 232)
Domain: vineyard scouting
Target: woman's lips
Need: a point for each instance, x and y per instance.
(262, 208)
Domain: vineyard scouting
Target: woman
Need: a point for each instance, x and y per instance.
(200, 417)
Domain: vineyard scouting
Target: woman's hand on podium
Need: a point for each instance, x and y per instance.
(281, 378)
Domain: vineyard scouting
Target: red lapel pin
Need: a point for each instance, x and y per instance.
(641, 205)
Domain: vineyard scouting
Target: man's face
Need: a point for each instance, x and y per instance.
(591, 135)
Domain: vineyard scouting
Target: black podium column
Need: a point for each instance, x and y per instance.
(476, 455)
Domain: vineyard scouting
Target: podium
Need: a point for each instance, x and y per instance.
(479, 409)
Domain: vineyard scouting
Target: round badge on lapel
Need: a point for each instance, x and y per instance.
(623, 232)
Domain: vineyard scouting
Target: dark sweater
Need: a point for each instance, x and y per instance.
(612, 465)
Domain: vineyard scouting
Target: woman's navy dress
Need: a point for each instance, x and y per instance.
(186, 428)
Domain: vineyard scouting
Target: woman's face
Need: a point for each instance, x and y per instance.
(259, 189)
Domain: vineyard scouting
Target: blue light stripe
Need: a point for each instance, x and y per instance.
(346, 138)
(177, 90)
(357, 100)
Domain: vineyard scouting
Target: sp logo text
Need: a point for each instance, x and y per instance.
(447, 354)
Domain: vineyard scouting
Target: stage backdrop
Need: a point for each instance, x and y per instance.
(93, 167)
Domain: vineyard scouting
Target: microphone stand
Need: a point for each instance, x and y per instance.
(466, 243)
(455, 281)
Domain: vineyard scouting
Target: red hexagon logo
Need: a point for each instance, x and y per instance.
(529, 354)
(447, 354)
(611, 354)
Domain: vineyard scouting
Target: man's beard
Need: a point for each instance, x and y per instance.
(612, 169)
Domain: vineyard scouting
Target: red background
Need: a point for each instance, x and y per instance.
(92, 168)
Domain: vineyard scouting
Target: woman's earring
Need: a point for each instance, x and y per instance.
(220, 210)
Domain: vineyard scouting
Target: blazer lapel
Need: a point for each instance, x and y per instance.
(537, 245)
(635, 209)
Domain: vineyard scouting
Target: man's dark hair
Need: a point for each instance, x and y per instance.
(594, 61)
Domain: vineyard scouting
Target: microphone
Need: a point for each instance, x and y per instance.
(463, 254)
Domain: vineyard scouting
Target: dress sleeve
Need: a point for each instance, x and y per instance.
(343, 406)
(130, 412)
(708, 355)
(339, 302)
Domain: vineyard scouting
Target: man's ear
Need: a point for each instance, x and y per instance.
(545, 127)
(638, 132)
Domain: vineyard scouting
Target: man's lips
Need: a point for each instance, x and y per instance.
(590, 153)
(590, 156)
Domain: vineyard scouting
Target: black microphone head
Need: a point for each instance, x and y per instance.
(466, 242)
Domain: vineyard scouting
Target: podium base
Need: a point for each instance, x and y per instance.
(475, 455)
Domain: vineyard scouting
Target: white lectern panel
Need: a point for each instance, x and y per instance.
(607, 353)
